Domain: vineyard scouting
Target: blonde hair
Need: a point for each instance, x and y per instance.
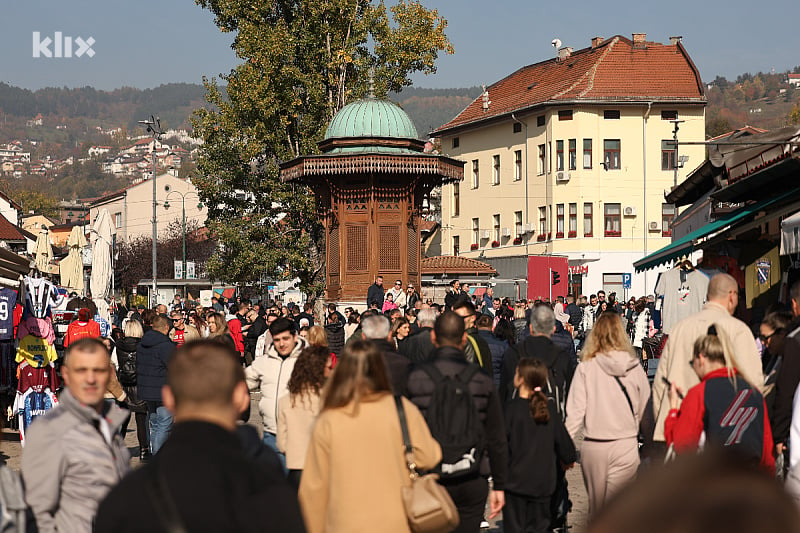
(607, 335)
(716, 346)
(317, 336)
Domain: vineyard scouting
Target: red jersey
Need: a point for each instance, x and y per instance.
(81, 330)
(177, 337)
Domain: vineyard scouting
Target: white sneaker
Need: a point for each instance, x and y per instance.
(485, 524)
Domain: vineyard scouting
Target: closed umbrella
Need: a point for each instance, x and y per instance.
(44, 252)
(71, 267)
(101, 236)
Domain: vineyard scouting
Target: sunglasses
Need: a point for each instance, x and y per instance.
(765, 338)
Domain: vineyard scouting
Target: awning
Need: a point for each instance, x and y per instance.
(685, 245)
(790, 235)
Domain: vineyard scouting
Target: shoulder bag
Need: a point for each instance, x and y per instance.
(429, 508)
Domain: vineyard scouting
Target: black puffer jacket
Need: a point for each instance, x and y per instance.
(126, 360)
(450, 361)
(537, 347)
(335, 333)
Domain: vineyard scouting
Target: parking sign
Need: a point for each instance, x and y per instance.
(626, 281)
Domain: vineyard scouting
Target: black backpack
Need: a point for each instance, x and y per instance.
(455, 423)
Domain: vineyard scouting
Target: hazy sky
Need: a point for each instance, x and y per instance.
(144, 43)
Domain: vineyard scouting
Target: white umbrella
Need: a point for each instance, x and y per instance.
(71, 267)
(101, 236)
(44, 252)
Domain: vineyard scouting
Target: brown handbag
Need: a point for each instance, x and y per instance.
(429, 508)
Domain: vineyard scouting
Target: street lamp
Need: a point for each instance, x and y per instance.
(154, 127)
(184, 196)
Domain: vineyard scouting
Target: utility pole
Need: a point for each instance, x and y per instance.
(183, 222)
(675, 123)
(154, 128)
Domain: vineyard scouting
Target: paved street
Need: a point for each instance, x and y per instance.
(11, 451)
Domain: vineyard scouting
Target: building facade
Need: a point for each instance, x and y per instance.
(131, 208)
(573, 156)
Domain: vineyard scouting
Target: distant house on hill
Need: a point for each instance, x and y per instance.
(794, 79)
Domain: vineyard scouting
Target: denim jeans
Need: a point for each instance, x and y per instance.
(160, 421)
(270, 440)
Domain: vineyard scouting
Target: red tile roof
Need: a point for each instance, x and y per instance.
(614, 71)
(9, 232)
(745, 130)
(451, 264)
(428, 225)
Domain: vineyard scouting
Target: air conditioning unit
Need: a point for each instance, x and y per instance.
(653, 226)
(629, 211)
(562, 176)
(506, 232)
(485, 234)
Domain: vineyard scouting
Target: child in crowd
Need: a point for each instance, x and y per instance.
(538, 445)
(388, 303)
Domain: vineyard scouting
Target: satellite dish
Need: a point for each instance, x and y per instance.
(556, 43)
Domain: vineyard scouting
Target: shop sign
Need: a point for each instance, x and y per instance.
(579, 270)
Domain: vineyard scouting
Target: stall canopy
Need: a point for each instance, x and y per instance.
(790, 235)
(685, 245)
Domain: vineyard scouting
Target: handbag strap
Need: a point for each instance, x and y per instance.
(163, 504)
(409, 451)
(627, 397)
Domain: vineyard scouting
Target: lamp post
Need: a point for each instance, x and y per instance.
(184, 196)
(154, 128)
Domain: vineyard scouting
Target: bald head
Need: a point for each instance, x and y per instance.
(723, 290)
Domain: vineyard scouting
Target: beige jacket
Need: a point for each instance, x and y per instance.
(295, 423)
(355, 467)
(596, 400)
(674, 363)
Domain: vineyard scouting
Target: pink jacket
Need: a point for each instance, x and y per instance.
(596, 401)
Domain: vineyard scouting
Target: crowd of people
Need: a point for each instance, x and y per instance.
(497, 396)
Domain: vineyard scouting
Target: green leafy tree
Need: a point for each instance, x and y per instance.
(303, 60)
(34, 201)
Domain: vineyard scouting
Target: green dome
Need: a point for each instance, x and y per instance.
(371, 117)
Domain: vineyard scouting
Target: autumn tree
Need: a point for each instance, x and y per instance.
(32, 200)
(302, 60)
(134, 259)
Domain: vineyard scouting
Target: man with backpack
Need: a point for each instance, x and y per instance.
(539, 346)
(463, 411)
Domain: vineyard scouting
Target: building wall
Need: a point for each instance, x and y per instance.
(639, 183)
(135, 207)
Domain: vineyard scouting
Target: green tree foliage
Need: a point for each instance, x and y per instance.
(794, 115)
(303, 60)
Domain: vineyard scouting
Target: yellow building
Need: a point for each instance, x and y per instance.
(572, 156)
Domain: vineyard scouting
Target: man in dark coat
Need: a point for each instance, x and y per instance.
(258, 326)
(202, 476)
(375, 294)
(497, 346)
(152, 358)
(376, 328)
(475, 350)
(538, 345)
(468, 491)
(419, 346)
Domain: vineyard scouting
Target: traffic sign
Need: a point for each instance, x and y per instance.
(626, 281)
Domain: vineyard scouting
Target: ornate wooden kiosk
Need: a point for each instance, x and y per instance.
(370, 183)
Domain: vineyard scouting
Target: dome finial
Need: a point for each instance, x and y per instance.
(371, 90)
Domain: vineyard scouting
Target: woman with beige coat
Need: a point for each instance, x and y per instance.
(355, 468)
(597, 401)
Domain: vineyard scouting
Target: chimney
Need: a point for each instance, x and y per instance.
(564, 53)
(639, 40)
(596, 41)
(675, 40)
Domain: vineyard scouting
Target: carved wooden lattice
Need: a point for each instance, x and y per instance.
(413, 251)
(357, 248)
(389, 248)
(333, 251)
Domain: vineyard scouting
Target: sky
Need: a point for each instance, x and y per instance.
(145, 43)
